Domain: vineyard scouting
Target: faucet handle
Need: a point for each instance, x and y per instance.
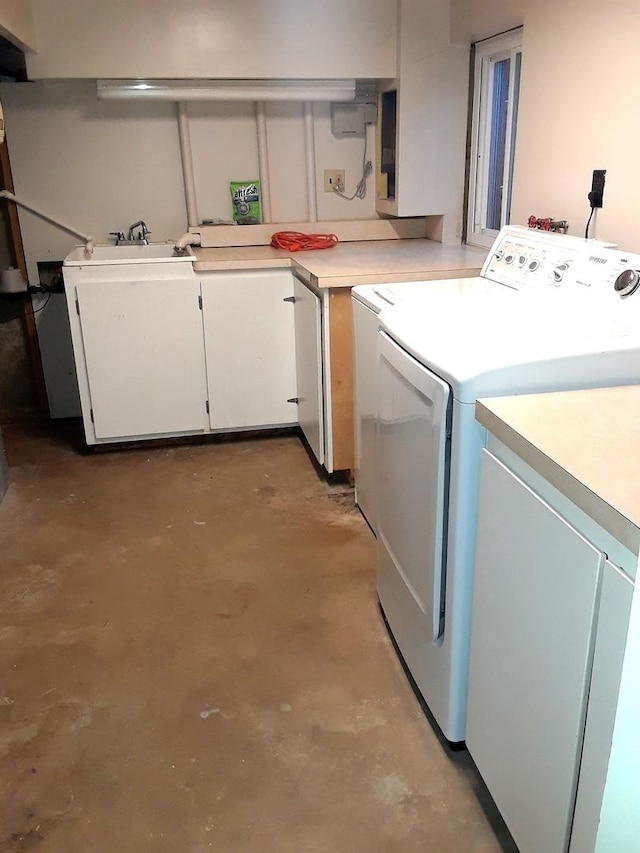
(119, 235)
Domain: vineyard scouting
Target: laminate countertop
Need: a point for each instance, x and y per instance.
(351, 263)
(585, 443)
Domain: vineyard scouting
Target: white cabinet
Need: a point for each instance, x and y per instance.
(248, 319)
(160, 351)
(534, 598)
(545, 597)
(309, 361)
(325, 364)
(138, 348)
(422, 117)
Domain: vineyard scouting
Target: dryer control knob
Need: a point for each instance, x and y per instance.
(627, 282)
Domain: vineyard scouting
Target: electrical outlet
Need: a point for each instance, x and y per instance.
(333, 180)
(597, 188)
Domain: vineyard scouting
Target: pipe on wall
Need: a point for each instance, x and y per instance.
(310, 152)
(263, 161)
(187, 165)
(89, 242)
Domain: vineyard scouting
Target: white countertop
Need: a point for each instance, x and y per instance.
(350, 263)
(585, 443)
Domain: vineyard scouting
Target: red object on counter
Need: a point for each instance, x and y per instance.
(294, 241)
(541, 224)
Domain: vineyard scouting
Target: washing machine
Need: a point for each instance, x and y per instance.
(555, 322)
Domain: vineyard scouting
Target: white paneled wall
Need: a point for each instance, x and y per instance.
(342, 153)
(285, 140)
(224, 146)
(97, 165)
(101, 165)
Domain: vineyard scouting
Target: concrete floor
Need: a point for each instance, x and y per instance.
(192, 659)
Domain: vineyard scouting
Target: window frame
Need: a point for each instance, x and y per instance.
(486, 54)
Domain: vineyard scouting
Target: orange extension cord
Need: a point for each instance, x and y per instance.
(294, 241)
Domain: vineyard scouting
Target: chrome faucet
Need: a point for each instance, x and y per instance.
(141, 236)
(132, 238)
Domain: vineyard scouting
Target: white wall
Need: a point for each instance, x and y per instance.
(101, 165)
(342, 153)
(214, 38)
(472, 20)
(16, 23)
(578, 112)
(96, 165)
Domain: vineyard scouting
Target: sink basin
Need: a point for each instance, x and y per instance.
(110, 254)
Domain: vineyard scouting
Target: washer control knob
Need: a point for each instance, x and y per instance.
(522, 260)
(627, 282)
(533, 266)
(509, 259)
(559, 271)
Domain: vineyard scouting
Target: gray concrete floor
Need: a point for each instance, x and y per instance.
(192, 659)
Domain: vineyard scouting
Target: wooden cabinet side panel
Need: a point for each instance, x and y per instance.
(341, 373)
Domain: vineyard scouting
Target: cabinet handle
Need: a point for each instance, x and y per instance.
(289, 299)
(293, 400)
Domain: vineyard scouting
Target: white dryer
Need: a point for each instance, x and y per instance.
(555, 322)
(368, 300)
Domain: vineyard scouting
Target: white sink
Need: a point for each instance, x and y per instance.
(110, 254)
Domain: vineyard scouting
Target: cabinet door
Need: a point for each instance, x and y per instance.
(611, 639)
(250, 348)
(144, 356)
(534, 600)
(308, 329)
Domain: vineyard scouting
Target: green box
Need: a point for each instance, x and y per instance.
(245, 197)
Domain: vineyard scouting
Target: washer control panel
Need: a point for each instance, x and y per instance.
(527, 259)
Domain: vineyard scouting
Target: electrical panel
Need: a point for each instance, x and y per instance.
(347, 119)
(351, 118)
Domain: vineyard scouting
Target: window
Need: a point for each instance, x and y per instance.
(496, 77)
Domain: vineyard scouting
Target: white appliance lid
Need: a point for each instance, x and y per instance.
(489, 347)
(381, 296)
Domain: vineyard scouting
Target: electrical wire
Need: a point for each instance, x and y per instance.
(367, 168)
(586, 230)
(294, 241)
(44, 305)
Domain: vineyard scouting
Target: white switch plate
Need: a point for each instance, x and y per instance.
(333, 178)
